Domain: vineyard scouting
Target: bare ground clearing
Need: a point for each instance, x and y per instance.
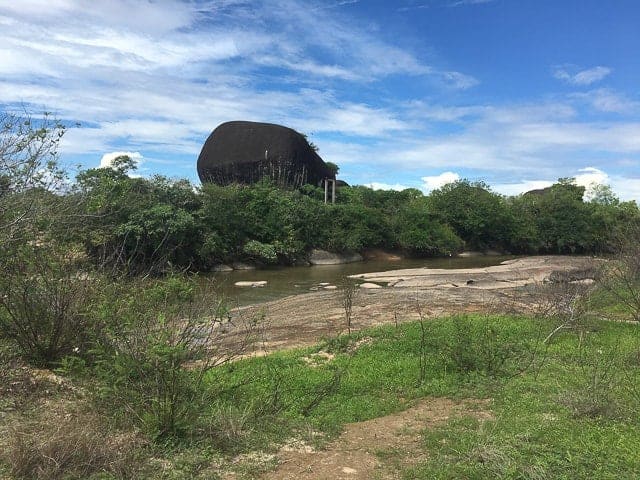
(374, 449)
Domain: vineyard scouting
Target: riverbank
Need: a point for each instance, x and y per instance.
(306, 318)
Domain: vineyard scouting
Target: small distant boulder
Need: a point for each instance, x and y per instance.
(221, 268)
(369, 286)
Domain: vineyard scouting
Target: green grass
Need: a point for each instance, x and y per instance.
(566, 410)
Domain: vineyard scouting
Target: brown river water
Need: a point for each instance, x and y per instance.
(286, 281)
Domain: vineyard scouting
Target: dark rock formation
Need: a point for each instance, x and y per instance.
(246, 152)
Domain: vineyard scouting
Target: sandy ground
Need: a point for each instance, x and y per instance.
(304, 319)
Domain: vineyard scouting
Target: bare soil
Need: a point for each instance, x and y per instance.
(374, 449)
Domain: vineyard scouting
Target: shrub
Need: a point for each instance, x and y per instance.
(261, 252)
(158, 344)
(44, 304)
(476, 345)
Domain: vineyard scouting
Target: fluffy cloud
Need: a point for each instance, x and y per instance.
(589, 177)
(583, 77)
(107, 159)
(386, 186)
(437, 181)
(609, 101)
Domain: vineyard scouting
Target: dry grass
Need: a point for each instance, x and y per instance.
(68, 445)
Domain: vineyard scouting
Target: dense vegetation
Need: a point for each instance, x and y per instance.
(156, 223)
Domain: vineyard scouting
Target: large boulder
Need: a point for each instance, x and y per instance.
(246, 152)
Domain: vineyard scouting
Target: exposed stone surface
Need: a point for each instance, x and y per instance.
(378, 254)
(512, 273)
(259, 283)
(369, 285)
(474, 253)
(322, 257)
(301, 320)
(246, 152)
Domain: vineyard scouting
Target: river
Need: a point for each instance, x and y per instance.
(285, 281)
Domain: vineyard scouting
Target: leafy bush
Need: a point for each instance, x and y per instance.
(158, 343)
(476, 345)
(260, 252)
(44, 305)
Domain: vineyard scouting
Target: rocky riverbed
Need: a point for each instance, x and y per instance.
(306, 318)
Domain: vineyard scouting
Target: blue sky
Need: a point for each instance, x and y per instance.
(410, 93)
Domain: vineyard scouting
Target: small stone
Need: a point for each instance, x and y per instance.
(259, 283)
(324, 284)
(349, 470)
(369, 285)
(584, 281)
(330, 287)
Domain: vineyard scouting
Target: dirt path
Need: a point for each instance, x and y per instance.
(374, 449)
(304, 319)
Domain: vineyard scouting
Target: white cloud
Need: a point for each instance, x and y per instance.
(589, 176)
(386, 186)
(459, 3)
(437, 181)
(107, 159)
(626, 188)
(583, 77)
(606, 100)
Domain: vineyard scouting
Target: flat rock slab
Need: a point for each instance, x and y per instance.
(221, 268)
(369, 285)
(509, 274)
(304, 319)
(243, 266)
(259, 283)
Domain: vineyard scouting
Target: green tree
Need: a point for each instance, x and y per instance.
(420, 234)
(28, 172)
(478, 216)
(563, 218)
(137, 225)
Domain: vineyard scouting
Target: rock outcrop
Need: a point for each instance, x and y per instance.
(246, 152)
